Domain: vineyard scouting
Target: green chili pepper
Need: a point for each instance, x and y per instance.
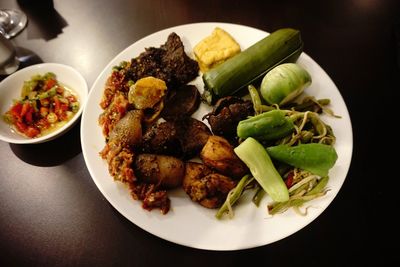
(314, 157)
(266, 126)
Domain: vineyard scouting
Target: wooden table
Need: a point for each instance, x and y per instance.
(51, 212)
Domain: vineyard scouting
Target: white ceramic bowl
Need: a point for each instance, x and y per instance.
(10, 88)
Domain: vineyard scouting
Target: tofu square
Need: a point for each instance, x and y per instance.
(215, 49)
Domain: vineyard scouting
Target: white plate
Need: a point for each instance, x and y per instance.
(10, 89)
(187, 223)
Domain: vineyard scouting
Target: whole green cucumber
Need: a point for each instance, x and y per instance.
(281, 46)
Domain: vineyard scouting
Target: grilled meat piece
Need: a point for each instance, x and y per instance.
(162, 138)
(169, 63)
(182, 138)
(181, 103)
(193, 135)
(227, 113)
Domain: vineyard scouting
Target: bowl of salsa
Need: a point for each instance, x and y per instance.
(40, 102)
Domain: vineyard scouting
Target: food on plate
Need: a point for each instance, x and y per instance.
(297, 179)
(183, 138)
(205, 186)
(281, 46)
(182, 102)
(226, 114)
(162, 170)
(128, 130)
(119, 160)
(162, 138)
(132, 102)
(194, 136)
(314, 157)
(269, 125)
(284, 83)
(215, 49)
(254, 155)
(218, 155)
(316, 187)
(169, 63)
(44, 106)
(146, 92)
(233, 196)
(267, 144)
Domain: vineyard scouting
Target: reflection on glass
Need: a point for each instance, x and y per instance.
(8, 60)
(12, 22)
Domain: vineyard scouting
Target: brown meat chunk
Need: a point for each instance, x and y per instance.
(227, 113)
(182, 138)
(194, 135)
(169, 63)
(181, 103)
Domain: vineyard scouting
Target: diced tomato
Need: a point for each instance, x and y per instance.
(25, 108)
(64, 107)
(71, 98)
(43, 123)
(49, 84)
(44, 111)
(21, 126)
(32, 131)
(57, 104)
(29, 115)
(289, 180)
(16, 110)
(45, 102)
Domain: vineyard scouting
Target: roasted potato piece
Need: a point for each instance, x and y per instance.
(204, 186)
(128, 130)
(218, 154)
(166, 171)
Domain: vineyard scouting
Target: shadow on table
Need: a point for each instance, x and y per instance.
(44, 21)
(51, 153)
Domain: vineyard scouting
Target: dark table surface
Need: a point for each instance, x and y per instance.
(51, 212)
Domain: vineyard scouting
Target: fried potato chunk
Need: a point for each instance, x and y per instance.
(215, 49)
(219, 155)
(205, 186)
